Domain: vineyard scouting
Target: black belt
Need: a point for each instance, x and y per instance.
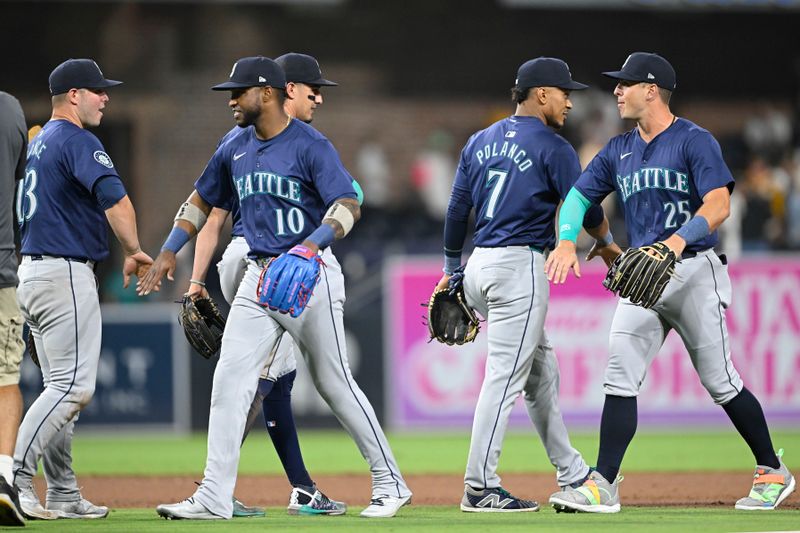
(39, 257)
(264, 260)
(688, 254)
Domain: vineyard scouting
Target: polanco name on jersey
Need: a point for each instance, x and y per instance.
(510, 150)
(653, 178)
(268, 183)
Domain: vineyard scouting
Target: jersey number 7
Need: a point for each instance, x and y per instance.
(495, 179)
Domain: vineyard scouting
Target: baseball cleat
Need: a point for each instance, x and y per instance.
(10, 513)
(579, 482)
(188, 509)
(82, 508)
(385, 506)
(241, 510)
(311, 501)
(496, 500)
(596, 495)
(31, 507)
(770, 487)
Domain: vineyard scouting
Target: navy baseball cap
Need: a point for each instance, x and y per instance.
(258, 71)
(78, 74)
(648, 68)
(546, 72)
(302, 68)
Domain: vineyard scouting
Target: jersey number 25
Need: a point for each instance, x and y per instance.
(675, 210)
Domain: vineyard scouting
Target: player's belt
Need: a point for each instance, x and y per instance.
(694, 253)
(39, 257)
(264, 260)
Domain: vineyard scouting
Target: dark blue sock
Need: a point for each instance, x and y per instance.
(617, 428)
(747, 416)
(280, 424)
(264, 387)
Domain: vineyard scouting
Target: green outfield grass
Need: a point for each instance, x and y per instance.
(448, 519)
(333, 452)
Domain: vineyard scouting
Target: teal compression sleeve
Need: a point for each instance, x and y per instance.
(570, 218)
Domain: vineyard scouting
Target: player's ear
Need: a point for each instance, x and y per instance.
(541, 95)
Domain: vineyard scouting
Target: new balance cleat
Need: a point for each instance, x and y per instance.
(497, 500)
(770, 487)
(10, 513)
(188, 509)
(384, 506)
(311, 501)
(596, 495)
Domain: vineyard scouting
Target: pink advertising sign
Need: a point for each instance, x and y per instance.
(431, 385)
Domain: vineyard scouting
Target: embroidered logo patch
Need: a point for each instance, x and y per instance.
(102, 158)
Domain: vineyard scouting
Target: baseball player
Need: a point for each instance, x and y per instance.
(292, 188)
(515, 173)
(70, 190)
(674, 187)
(304, 81)
(13, 141)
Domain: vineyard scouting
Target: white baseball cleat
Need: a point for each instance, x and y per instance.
(188, 509)
(82, 508)
(31, 507)
(384, 506)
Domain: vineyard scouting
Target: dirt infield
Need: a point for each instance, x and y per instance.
(641, 489)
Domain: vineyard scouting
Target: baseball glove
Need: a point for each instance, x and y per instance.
(32, 349)
(450, 320)
(287, 283)
(202, 324)
(641, 274)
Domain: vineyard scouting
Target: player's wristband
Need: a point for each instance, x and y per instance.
(605, 241)
(694, 230)
(323, 236)
(197, 282)
(451, 264)
(178, 237)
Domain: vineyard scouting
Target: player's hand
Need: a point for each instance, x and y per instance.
(443, 283)
(560, 261)
(164, 264)
(197, 291)
(135, 264)
(606, 253)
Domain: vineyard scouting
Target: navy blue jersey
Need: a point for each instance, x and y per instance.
(56, 208)
(515, 173)
(284, 185)
(660, 184)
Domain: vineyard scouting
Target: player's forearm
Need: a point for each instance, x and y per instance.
(570, 218)
(455, 233)
(189, 220)
(601, 233)
(207, 241)
(716, 207)
(122, 219)
(337, 223)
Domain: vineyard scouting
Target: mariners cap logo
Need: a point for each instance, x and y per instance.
(233, 69)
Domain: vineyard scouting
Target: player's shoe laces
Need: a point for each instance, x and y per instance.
(311, 501)
(240, 510)
(188, 509)
(10, 513)
(770, 487)
(385, 506)
(596, 495)
(496, 500)
(31, 507)
(82, 508)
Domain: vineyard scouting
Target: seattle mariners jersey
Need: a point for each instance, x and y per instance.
(56, 208)
(660, 184)
(514, 172)
(284, 185)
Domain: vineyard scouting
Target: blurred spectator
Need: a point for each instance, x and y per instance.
(432, 174)
(764, 207)
(373, 173)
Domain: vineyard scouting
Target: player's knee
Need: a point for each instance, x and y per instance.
(721, 395)
(81, 395)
